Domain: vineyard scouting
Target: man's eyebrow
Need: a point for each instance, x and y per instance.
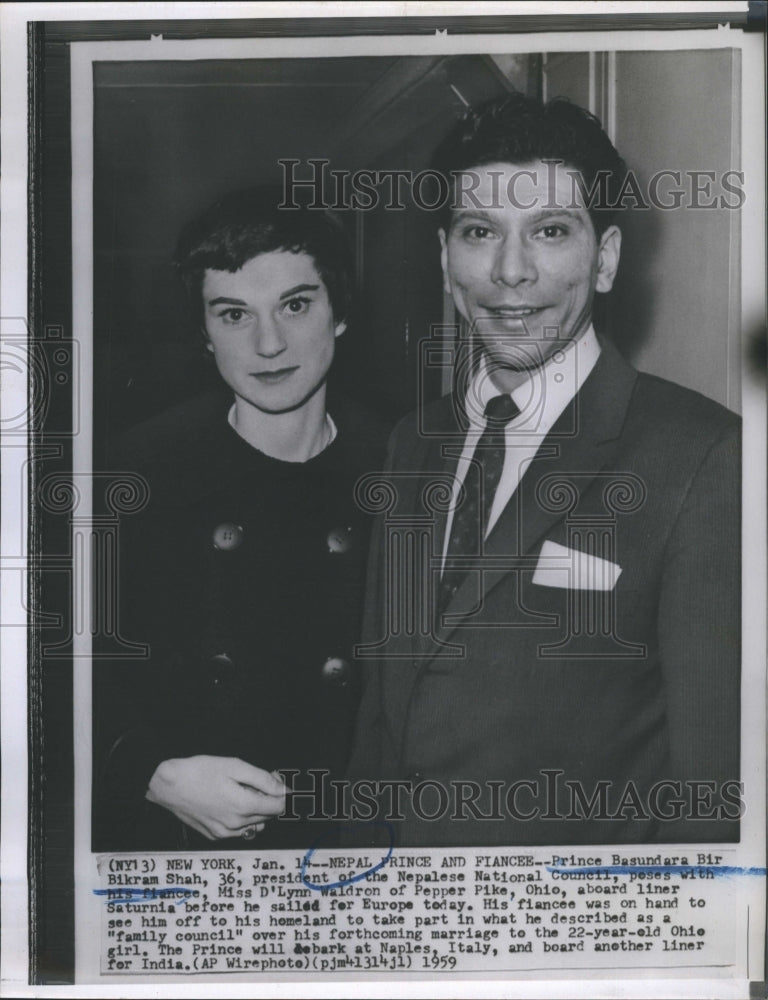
(299, 288)
(572, 211)
(475, 213)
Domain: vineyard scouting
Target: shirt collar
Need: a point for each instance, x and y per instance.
(545, 392)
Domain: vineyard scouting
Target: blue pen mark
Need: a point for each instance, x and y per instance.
(686, 871)
(325, 886)
(144, 893)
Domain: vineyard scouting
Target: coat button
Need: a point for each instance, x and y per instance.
(339, 540)
(221, 663)
(227, 536)
(335, 671)
(222, 660)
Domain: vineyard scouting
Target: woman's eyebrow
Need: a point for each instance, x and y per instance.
(299, 288)
(224, 300)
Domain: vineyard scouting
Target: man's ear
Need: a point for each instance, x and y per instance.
(608, 258)
(444, 259)
(340, 328)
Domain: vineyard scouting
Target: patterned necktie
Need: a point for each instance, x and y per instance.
(470, 518)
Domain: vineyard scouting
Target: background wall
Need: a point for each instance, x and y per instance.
(680, 319)
(674, 309)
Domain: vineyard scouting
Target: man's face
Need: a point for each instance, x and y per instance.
(523, 271)
(271, 329)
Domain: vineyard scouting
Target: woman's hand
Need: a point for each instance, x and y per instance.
(219, 797)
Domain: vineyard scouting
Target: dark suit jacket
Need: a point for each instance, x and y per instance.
(576, 702)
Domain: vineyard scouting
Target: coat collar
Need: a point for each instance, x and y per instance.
(190, 452)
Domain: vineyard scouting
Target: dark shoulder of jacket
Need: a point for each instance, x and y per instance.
(364, 431)
(172, 435)
(437, 417)
(683, 412)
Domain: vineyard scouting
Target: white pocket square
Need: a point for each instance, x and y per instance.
(559, 566)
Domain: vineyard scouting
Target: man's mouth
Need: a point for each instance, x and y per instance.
(512, 312)
(273, 377)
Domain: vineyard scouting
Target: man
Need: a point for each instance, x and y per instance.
(244, 573)
(571, 669)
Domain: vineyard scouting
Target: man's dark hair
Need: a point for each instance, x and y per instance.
(245, 224)
(519, 129)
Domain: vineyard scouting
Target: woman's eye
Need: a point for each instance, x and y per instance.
(297, 305)
(232, 315)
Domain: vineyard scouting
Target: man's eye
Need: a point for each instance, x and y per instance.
(297, 305)
(477, 233)
(553, 231)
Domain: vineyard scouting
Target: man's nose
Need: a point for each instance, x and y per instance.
(513, 263)
(270, 340)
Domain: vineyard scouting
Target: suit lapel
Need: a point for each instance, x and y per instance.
(584, 439)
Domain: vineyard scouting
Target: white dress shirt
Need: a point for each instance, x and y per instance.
(541, 398)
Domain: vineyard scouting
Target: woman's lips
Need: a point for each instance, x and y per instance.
(273, 377)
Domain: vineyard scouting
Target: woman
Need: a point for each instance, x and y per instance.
(244, 574)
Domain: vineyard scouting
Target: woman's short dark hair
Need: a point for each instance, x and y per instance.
(519, 129)
(245, 224)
